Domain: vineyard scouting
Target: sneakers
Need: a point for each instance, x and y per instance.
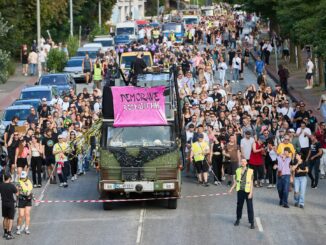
(18, 231)
(65, 185)
(252, 226)
(205, 184)
(270, 186)
(9, 236)
(223, 178)
(286, 206)
(301, 206)
(72, 178)
(308, 87)
(35, 186)
(217, 182)
(39, 186)
(296, 205)
(237, 222)
(61, 185)
(27, 232)
(314, 187)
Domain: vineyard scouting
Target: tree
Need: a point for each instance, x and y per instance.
(4, 55)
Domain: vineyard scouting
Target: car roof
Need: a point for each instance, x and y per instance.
(103, 38)
(135, 53)
(91, 49)
(54, 75)
(37, 88)
(18, 107)
(31, 100)
(77, 58)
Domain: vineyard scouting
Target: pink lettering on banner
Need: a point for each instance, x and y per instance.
(135, 106)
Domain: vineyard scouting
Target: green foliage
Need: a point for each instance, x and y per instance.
(11, 67)
(57, 60)
(72, 45)
(4, 63)
(98, 31)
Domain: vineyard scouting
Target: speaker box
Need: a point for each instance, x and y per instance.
(107, 103)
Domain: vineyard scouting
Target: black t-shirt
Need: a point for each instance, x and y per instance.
(48, 145)
(12, 148)
(301, 166)
(7, 191)
(314, 148)
(10, 129)
(302, 115)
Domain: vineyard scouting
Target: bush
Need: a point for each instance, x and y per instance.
(57, 60)
(72, 45)
(4, 64)
(11, 67)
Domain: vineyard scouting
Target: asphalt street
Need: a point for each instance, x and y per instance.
(197, 220)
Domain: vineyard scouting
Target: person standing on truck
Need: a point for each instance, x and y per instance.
(138, 67)
(200, 152)
(87, 67)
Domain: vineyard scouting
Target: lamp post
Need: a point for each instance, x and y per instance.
(38, 24)
(100, 14)
(71, 19)
(130, 14)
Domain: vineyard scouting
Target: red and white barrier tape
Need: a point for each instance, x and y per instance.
(130, 200)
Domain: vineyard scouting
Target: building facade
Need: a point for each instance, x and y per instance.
(124, 8)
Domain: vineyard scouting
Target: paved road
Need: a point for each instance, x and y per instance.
(205, 220)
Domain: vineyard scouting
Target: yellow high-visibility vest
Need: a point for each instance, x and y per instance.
(248, 179)
(198, 150)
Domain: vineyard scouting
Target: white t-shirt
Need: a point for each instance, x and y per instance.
(304, 140)
(246, 146)
(310, 66)
(236, 63)
(65, 106)
(141, 33)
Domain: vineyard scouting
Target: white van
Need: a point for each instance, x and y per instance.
(106, 41)
(129, 28)
(190, 20)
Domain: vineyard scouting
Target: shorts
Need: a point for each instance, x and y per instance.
(87, 71)
(21, 162)
(8, 211)
(49, 160)
(24, 202)
(201, 166)
(230, 168)
(286, 52)
(309, 76)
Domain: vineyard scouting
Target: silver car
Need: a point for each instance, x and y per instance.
(74, 68)
(21, 111)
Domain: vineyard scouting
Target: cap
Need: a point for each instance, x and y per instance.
(44, 99)
(248, 132)
(23, 175)
(281, 130)
(191, 126)
(60, 136)
(200, 136)
(291, 130)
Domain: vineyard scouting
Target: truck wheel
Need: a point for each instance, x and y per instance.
(172, 203)
(107, 205)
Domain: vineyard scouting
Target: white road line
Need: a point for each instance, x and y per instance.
(140, 226)
(260, 226)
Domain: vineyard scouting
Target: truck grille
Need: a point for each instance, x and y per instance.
(139, 173)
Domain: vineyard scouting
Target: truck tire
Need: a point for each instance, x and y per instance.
(172, 203)
(107, 205)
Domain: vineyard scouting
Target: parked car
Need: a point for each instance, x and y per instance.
(92, 52)
(93, 45)
(40, 92)
(21, 111)
(106, 41)
(75, 69)
(63, 81)
(32, 102)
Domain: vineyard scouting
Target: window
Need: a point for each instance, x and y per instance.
(22, 114)
(36, 95)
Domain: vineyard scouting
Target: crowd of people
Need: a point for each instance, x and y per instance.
(281, 140)
(50, 144)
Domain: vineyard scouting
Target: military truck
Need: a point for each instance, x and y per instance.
(140, 160)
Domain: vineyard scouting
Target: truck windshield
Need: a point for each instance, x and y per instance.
(127, 60)
(172, 27)
(189, 21)
(125, 31)
(140, 136)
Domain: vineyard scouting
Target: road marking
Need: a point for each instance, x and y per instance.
(140, 226)
(260, 226)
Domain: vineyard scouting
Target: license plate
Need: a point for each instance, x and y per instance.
(146, 186)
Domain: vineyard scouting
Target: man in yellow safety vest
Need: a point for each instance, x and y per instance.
(199, 152)
(243, 182)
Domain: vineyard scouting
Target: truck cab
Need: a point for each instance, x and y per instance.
(129, 28)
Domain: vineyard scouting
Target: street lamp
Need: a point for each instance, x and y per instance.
(71, 19)
(38, 24)
(100, 14)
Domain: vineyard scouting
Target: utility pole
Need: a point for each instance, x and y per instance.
(100, 14)
(158, 8)
(178, 5)
(71, 19)
(38, 24)
(130, 9)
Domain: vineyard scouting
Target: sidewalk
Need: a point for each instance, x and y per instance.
(296, 84)
(10, 91)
